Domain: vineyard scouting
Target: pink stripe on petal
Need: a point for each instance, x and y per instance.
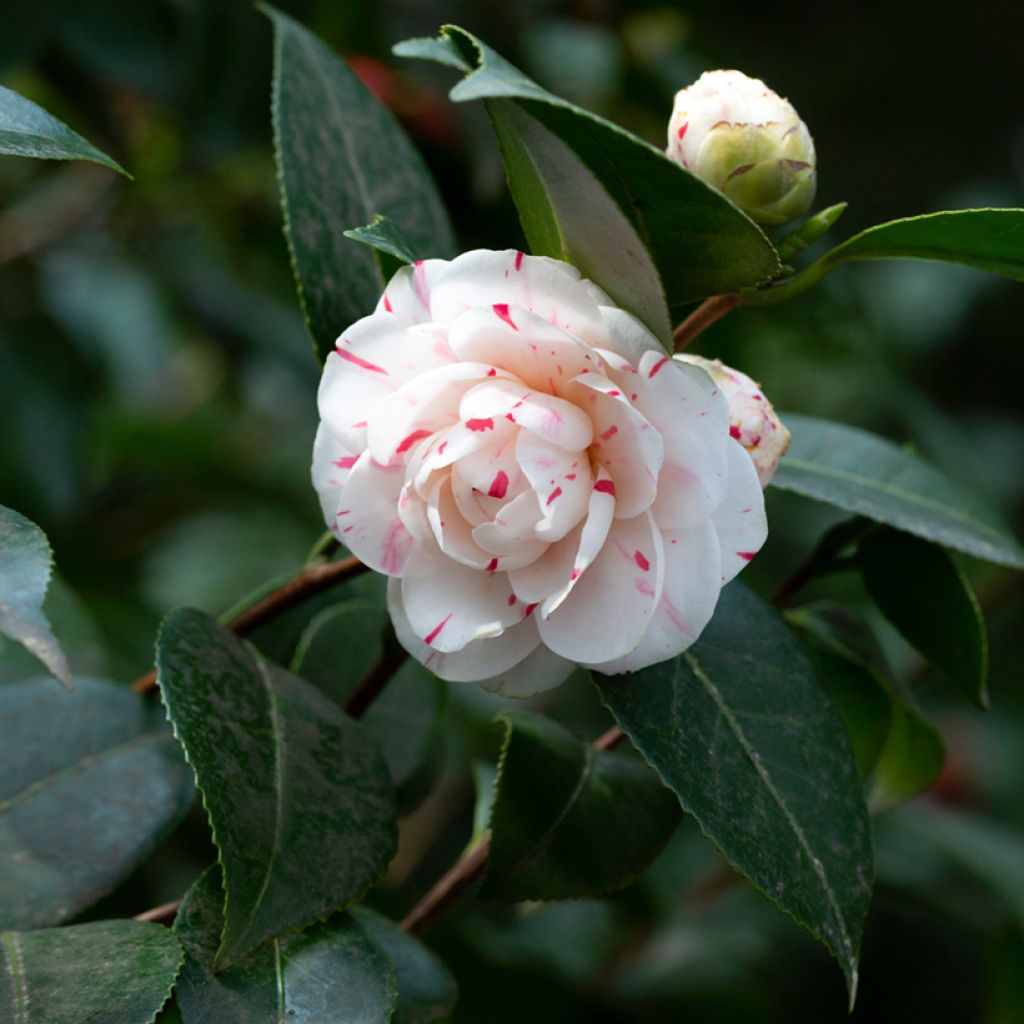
(351, 357)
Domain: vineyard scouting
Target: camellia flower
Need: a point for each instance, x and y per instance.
(746, 141)
(753, 420)
(543, 484)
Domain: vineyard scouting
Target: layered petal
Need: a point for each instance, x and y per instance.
(554, 419)
(407, 295)
(740, 520)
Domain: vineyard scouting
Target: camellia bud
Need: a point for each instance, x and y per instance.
(752, 419)
(746, 141)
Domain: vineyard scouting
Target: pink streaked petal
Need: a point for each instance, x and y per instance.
(549, 288)
(550, 573)
(447, 448)
(478, 660)
(422, 406)
(412, 510)
(453, 534)
(450, 605)
(600, 514)
(688, 599)
(551, 418)
(625, 443)
(373, 530)
(613, 603)
(407, 295)
(561, 480)
(511, 531)
(541, 356)
(740, 519)
(629, 338)
(332, 466)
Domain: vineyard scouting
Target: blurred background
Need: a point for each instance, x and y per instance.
(157, 405)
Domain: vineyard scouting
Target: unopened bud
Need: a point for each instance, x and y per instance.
(753, 420)
(746, 141)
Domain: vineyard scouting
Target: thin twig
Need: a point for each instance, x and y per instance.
(447, 890)
(708, 312)
(312, 580)
(381, 672)
(165, 912)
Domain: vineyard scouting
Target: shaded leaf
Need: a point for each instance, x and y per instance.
(90, 783)
(392, 249)
(342, 160)
(859, 472)
(426, 989)
(331, 973)
(591, 193)
(568, 820)
(337, 650)
(107, 971)
(298, 795)
(28, 130)
(924, 594)
(25, 566)
(990, 240)
(738, 727)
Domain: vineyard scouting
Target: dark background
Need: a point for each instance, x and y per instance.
(157, 410)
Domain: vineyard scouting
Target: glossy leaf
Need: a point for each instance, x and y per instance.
(90, 782)
(739, 728)
(389, 243)
(426, 989)
(635, 222)
(331, 973)
(342, 159)
(337, 649)
(899, 752)
(990, 240)
(926, 596)
(25, 565)
(859, 472)
(28, 130)
(567, 820)
(119, 972)
(298, 795)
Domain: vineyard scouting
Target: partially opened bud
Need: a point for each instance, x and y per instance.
(752, 419)
(746, 141)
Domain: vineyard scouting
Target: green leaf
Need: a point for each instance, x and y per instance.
(568, 820)
(991, 240)
(25, 565)
(337, 649)
(632, 220)
(924, 594)
(859, 472)
(810, 231)
(90, 783)
(738, 727)
(331, 973)
(119, 972)
(426, 989)
(28, 130)
(386, 238)
(897, 748)
(298, 795)
(342, 160)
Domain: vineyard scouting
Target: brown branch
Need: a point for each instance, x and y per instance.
(708, 312)
(374, 681)
(166, 912)
(460, 877)
(312, 580)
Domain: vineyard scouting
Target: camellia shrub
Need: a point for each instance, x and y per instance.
(527, 475)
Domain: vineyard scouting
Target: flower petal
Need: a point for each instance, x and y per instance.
(450, 605)
(561, 480)
(613, 603)
(628, 337)
(625, 443)
(688, 599)
(511, 530)
(453, 534)
(553, 290)
(370, 525)
(539, 671)
(478, 660)
(332, 464)
(407, 295)
(524, 344)
(740, 520)
(551, 418)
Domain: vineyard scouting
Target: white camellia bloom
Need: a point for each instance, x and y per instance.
(753, 420)
(543, 484)
(746, 141)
